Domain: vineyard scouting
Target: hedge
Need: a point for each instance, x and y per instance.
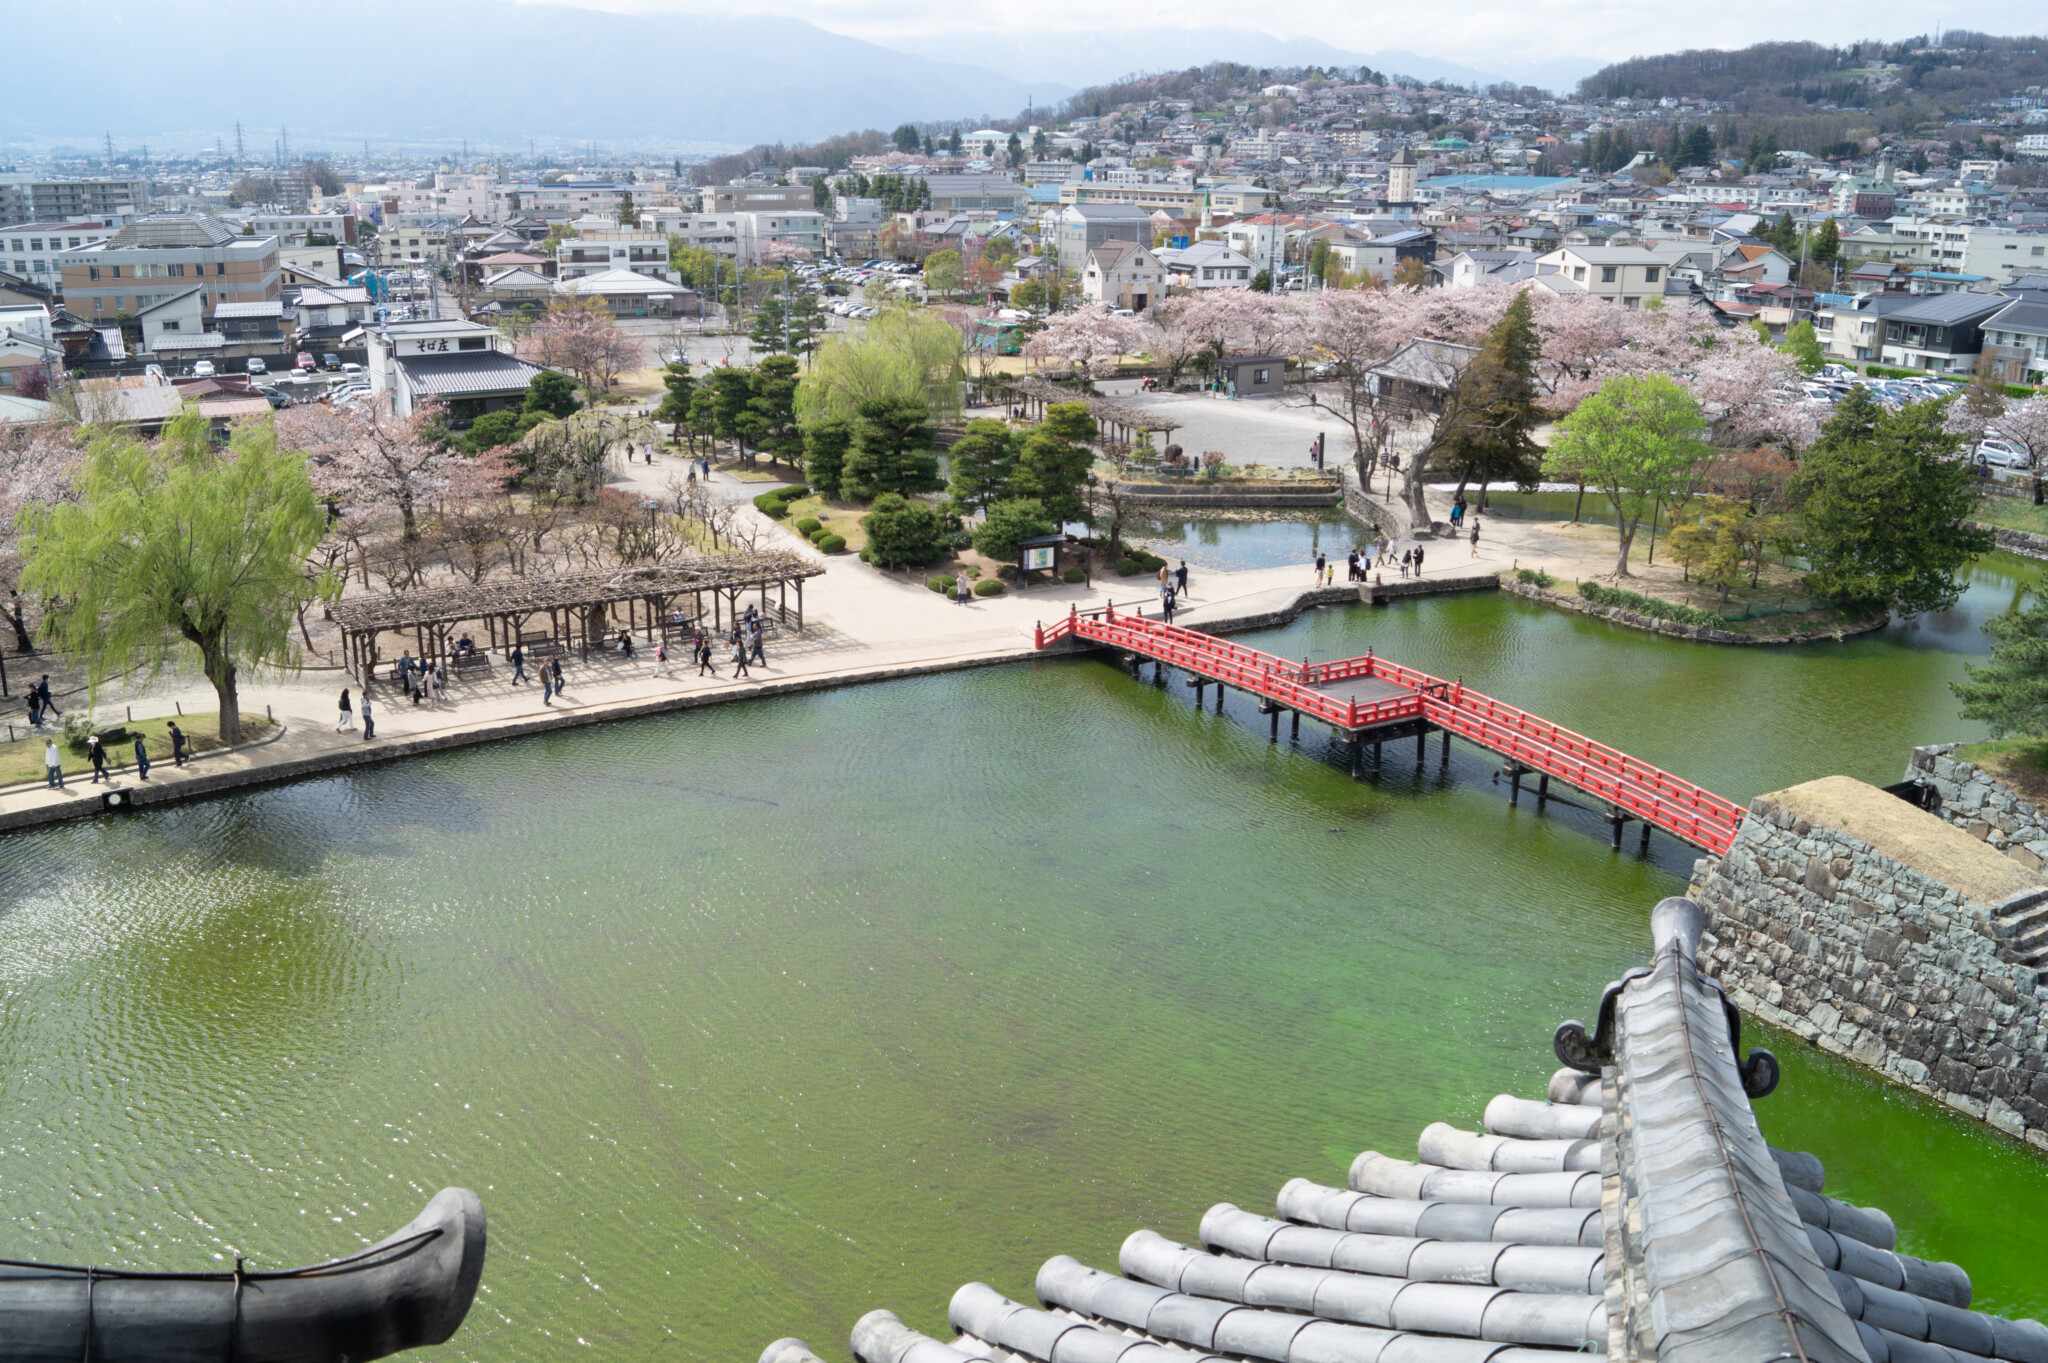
(942, 584)
(834, 544)
(1128, 568)
(1074, 575)
(988, 586)
(794, 491)
(771, 504)
(1649, 605)
(808, 526)
(1535, 577)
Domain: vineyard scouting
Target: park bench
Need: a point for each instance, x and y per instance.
(470, 662)
(540, 644)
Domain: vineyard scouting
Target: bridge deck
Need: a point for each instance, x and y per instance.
(1357, 695)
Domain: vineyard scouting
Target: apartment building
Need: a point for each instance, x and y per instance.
(1181, 200)
(150, 259)
(742, 235)
(27, 198)
(597, 250)
(412, 245)
(1942, 333)
(295, 229)
(1078, 229)
(740, 198)
(31, 250)
(2000, 254)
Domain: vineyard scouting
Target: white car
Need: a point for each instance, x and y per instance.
(256, 366)
(203, 369)
(1999, 452)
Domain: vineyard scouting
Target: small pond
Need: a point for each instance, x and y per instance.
(1247, 540)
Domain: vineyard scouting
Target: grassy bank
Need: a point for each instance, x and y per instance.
(22, 760)
(2020, 761)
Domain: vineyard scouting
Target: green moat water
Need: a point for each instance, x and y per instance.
(746, 1021)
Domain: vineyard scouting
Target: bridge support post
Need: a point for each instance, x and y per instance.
(1421, 749)
(1294, 728)
(1219, 698)
(1158, 673)
(1514, 786)
(1542, 790)
(1615, 819)
(1376, 756)
(1198, 684)
(1445, 758)
(1357, 754)
(1643, 849)
(1274, 737)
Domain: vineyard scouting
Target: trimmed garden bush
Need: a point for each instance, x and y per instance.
(808, 526)
(988, 586)
(836, 544)
(771, 504)
(1128, 567)
(942, 584)
(1535, 577)
(1652, 606)
(1074, 575)
(794, 491)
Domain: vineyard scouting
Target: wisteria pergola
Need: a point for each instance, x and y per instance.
(579, 609)
(1114, 421)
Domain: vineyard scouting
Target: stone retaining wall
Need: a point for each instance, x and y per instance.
(2023, 542)
(1619, 615)
(1982, 806)
(1812, 930)
(1217, 499)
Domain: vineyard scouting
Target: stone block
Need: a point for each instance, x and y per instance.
(1965, 1104)
(2005, 1118)
(1912, 1071)
(1955, 1076)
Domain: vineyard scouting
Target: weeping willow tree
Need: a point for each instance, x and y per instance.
(173, 545)
(901, 354)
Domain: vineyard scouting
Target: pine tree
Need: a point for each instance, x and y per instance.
(891, 450)
(825, 446)
(1495, 406)
(675, 404)
(2010, 692)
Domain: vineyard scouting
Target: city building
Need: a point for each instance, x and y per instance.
(1620, 274)
(146, 261)
(1207, 265)
(1078, 229)
(32, 250)
(460, 363)
(29, 198)
(298, 229)
(1942, 334)
(608, 250)
(629, 294)
(1123, 274)
(2017, 338)
(965, 193)
(743, 198)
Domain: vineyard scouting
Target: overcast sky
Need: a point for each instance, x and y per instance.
(1511, 38)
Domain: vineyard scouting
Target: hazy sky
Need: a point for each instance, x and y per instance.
(1498, 36)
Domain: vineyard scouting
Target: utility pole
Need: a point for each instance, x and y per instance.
(240, 154)
(110, 149)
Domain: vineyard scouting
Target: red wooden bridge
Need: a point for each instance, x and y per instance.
(1369, 700)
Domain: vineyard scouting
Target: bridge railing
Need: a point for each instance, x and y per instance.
(1248, 669)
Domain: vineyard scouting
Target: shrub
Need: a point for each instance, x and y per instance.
(903, 531)
(78, 726)
(988, 587)
(808, 525)
(1535, 577)
(1074, 575)
(771, 504)
(836, 544)
(791, 493)
(1008, 572)
(942, 584)
(1128, 568)
(1651, 606)
(1008, 521)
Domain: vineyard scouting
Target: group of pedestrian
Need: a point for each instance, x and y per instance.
(96, 753)
(1173, 588)
(346, 720)
(422, 679)
(550, 680)
(40, 702)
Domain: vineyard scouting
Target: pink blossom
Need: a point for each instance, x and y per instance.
(1089, 339)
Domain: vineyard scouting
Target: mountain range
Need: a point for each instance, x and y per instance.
(496, 74)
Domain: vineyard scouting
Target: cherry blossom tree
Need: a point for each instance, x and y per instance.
(1171, 336)
(39, 463)
(1088, 340)
(1245, 322)
(2025, 424)
(369, 458)
(577, 336)
(783, 253)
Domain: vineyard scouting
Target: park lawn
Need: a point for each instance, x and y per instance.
(640, 383)
(2020, 761)
(23, 760)
(841, 518)
(2012, 513)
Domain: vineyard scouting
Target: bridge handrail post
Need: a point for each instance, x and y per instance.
(1037, 634)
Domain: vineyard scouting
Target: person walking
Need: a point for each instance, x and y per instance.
(405, 672)
(369, 724)
(49, 701)
(754, 633)
(53, 764)
(518, 664)
(98, 755)
(961, 590)
(705, 662)
(1418, 560)
(141, 759)
(661, 659)
(1319, 567)
(547, 685)
(1407, 557)
(1166, 606)
(1475, 539)
(555, 666)
(1180, 579)
(177, 745)
(739, 658)
(347, 719)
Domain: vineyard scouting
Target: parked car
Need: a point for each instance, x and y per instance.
(154, 372)
(256, 366)
(352, 370)
(203, 369)
(331, 361)
(304, 361)
(1999, 452)
(272, 395)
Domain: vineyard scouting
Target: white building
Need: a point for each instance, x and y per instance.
(602, 250)
(1123, 275)
(30, 249)
(459, 363)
